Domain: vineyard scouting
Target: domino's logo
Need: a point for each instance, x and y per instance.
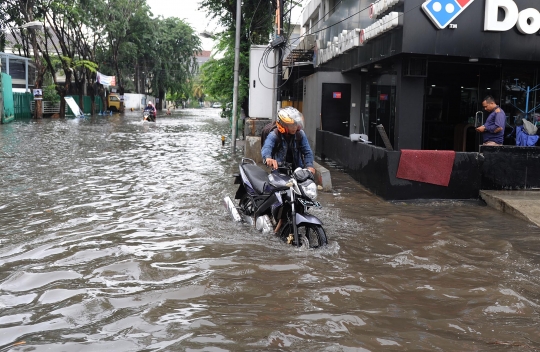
(442, 12)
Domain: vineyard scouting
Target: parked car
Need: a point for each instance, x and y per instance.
(217, 104)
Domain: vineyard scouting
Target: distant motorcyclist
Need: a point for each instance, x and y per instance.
(152, 110)
(287, 142)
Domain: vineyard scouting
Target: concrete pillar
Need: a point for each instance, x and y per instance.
(252, 148)
(409, 111)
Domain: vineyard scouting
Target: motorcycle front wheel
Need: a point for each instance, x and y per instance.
(309, 234)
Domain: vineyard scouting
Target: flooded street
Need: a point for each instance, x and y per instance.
(113, 237)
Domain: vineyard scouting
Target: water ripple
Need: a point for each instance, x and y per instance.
(114, 238)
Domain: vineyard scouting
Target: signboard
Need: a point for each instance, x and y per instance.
(105, 80)
(350, 39)
(38, 94)
(443, 12)
(499, 15)
(383, 97)
(336, 95)
(74, 107)
(527, 20)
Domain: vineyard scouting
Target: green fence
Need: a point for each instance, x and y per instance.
(87, 104)
(21, 102)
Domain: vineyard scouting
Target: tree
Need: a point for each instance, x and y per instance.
(118, 37)
(24, 11)
(174, 63)
(257, 21)
(68, 24)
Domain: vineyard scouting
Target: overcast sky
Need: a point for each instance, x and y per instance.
(187, 10)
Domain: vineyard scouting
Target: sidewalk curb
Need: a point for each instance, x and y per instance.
(521, 204)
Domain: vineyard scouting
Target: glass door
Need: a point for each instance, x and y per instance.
(382, 107)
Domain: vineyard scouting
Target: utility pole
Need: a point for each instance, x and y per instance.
(236, 69)
(279, 55)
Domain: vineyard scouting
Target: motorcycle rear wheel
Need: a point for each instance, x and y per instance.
(309, 234)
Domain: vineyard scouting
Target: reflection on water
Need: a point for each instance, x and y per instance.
(114, 237)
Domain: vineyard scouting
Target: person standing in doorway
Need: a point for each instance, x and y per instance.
(493, 129)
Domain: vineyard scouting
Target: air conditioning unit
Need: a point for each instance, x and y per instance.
(307, 43)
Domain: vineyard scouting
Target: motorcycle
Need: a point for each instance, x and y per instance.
(278, 202)
(148, 116)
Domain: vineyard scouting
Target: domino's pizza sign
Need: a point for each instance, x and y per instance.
(443, 12)
(527, 21)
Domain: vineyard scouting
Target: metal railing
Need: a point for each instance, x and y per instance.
(48, 107)
(25, 105)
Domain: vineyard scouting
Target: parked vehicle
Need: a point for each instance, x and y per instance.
(278, 203)
(114, 102)
(217, 104)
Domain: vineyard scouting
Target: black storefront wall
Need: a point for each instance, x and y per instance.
(510, 167)
(419, 36)
(409, 111)
(502, 168)
(376, 169)
(469, 39)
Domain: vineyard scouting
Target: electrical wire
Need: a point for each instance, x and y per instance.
(269, 48)
(354, 14)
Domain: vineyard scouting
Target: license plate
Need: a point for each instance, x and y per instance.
(309, 203)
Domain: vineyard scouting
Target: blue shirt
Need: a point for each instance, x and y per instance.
(495, 120)
(300, 148)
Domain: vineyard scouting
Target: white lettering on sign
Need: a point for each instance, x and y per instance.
(388, 22)
(381, 6)
(527, 21)
(348, 40)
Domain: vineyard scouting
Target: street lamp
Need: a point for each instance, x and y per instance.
(29, 25)
(207, 35)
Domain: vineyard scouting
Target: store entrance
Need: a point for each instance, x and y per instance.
(382, 107)
(453, 97)
(335, 108)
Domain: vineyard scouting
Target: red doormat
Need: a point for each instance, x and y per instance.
(429, 166)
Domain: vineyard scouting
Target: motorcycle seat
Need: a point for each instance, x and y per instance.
(257, 176)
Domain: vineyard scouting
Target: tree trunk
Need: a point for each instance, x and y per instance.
(161, 96)
(63, 94)
(80, 91)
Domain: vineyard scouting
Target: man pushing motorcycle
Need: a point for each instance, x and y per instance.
(287, 142)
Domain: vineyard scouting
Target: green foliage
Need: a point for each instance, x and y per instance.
(218, 74)
(50, 93)
(117, 37)
(174, 62)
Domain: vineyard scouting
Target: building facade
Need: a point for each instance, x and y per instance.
(420, 68)
(412, 75)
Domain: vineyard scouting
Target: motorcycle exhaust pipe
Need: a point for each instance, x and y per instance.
(232, 209)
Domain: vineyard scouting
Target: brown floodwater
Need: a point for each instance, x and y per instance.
(113, 237)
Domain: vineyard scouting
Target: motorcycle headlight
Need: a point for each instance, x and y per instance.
(310, 189)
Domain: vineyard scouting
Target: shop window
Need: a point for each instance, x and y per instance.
(515, 101)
